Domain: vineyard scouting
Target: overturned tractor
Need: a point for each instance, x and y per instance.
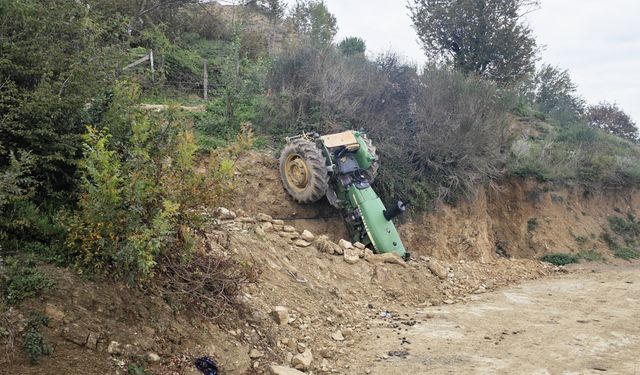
(342, 167)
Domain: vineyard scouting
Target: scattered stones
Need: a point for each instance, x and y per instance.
(114, 348)
(92, 341)
(255, 354)
(347, 332)
(288, 228)
(337, 336)
(351, 255)
(54, 312)
(307, 236)
(224, 214)
(391, 258)
(153, 357)
(359, 245)
(302, 361)
(277, 222)
(281, 315)
(437, 269)
(282, 370)
(263, 218)
(267, 227)
(301, 243)
(344, 244)
(76, 334)
(249, 220)
(381, 274)
(323, 244)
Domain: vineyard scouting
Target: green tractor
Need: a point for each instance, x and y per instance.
(342, 167)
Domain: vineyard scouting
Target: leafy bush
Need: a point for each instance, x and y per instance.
(140, 196)
(22, 280)
(33, 343)
(626, 253)
(439, 133)
(623, 227)
(560, 259)
(50, 70)
(577, 154)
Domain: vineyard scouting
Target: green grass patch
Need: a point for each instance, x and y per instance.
(560, 259)
(22, 280)
(625, 253)
(590, 255)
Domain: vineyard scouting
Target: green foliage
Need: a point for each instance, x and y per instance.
(554, 94)
(612, 119)
(136, 369)
(560, 259)
(532, 224)
(581, 240)
(487, 37)
(22, 280)
(140, 195)
(352, 46)
(440, 132)
(625, 227)
(577, 154)
(33, 343)
(313, 19)
(625, 253)
(49, 70)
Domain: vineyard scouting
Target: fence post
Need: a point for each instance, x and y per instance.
(205, 84)
(153, 71)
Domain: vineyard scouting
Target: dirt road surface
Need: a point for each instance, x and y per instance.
(587, 322)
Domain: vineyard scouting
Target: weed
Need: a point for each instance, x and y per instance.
(623, 227)
(532, 224)
(560, 259)
(33, 344)
(581, 240)
(625, 253)
(23, 280)
(136, 369)
(590, 255)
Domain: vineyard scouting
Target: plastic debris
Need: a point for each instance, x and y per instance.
(207, 366)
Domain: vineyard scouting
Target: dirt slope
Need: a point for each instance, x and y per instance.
(334, 303)
(522, 219)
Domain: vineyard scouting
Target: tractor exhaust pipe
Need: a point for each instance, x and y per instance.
(398, 209)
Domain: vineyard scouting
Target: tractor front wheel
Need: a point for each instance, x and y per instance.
(303, 171)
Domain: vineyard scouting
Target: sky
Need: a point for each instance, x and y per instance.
(598, 41)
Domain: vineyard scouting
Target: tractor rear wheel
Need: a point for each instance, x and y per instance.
(303, 171)
(372, 171)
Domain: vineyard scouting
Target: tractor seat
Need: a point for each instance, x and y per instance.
(344, 139)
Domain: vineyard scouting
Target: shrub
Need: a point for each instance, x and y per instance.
(623, 227)
(625, 253)
(141, 196)
(22, 280)
(33, 343)
(560, 259)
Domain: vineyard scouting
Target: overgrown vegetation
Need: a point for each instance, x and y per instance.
(33, 343)
(628, 230)
(21, 279)
(89, 179)
(560, 259)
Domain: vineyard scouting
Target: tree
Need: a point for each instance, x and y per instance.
(314, 19)
(485, 37)
(555, 94)
(612, 119)
(352, 46)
